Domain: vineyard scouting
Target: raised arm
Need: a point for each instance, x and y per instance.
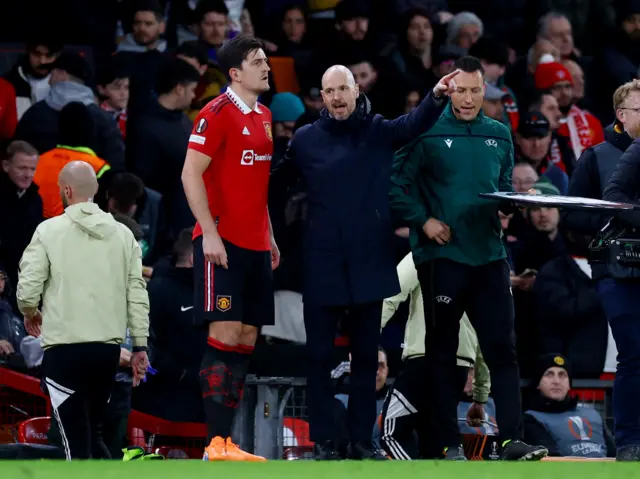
(407, 127)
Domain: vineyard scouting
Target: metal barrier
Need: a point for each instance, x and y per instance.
(271, 421)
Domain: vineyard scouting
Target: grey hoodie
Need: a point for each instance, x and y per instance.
(128, 44)
(87, 269)
(66, 92)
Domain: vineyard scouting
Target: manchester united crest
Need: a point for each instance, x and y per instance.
(223, 303)
(267, 130)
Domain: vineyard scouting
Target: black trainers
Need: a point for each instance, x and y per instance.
(454, 454)
(325, 452)
(361, 451)
(519, 451)
(628, 453)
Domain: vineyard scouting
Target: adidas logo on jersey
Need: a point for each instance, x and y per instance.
(245, 131)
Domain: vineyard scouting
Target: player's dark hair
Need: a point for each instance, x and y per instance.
(175, 72)
(148, 6)
(235, 51)
(183, 245)
(193, 49)
(469, 64)
(125, 189)
(210, 6)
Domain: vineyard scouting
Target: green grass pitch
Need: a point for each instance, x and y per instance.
(315, 470)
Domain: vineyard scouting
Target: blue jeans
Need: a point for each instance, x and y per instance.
(621, 303)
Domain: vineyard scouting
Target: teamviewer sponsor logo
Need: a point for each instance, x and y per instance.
(249, 157)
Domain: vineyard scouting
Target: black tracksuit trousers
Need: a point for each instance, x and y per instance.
(484, 292)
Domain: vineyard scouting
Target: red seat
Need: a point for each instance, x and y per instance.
(300, 430)
(34, 431)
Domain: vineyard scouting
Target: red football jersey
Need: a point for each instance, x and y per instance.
(239, 142)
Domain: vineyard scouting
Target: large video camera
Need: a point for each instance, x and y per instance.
(617, 243)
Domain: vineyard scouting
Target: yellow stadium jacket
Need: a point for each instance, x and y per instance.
(469, 354)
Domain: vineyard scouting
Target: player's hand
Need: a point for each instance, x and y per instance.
(139, 365)
(125, 357)
(33, 324)
(275, 254)
(5, 348)
(403, 232)
(475, 415)
(445, 86)
(214, 250)
(437, 231)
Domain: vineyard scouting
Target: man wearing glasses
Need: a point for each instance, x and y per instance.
(606, 171)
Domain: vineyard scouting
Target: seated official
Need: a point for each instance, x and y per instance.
(553, 418)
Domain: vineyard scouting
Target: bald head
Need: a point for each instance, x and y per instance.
(78, 183)
(339, 92)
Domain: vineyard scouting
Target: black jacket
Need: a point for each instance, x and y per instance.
(346, 166)
(19, 218)
(156, 149)
(569, 316)
(39, 126)
(176, 348)
(590, 177)
(624, 184)
(535, 433)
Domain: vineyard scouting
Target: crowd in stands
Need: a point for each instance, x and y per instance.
(118, 83)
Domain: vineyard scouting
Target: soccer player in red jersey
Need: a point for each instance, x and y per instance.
(226, 179)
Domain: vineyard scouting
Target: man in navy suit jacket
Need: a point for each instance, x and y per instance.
(344, 159)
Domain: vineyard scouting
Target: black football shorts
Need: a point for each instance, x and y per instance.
(243, 293)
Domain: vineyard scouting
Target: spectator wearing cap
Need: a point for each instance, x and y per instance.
(619, 61)
(285, 108)
(70, 82)
(494, 58)
(157, 142)
(464, 29)
(492, 103)
(113, 90)
(580, 127)
(533, 144)
(75, 130)
(29, 76)
(568, 310)
(20, 208)
(148, 27)
(352, 19)
(520, 75)
(554, 418)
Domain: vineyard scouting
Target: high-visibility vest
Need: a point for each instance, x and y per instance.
(49, 167)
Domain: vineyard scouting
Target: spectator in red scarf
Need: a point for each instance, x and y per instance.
(580, 127)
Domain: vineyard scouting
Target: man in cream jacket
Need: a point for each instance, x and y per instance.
(86, 271)
(407, 403)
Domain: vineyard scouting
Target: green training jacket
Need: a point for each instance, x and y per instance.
(440, 174)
